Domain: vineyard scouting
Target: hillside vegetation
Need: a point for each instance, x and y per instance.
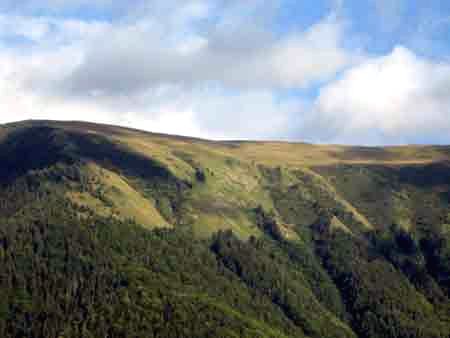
(113, 232)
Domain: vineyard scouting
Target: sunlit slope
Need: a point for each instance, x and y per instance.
(111, 196)
(162, 180)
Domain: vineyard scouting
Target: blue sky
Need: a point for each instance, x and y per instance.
(330, 71)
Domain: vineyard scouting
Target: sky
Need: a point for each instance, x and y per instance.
(368, 72)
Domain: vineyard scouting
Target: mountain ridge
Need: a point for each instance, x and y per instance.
(365, 151)
(86, 124)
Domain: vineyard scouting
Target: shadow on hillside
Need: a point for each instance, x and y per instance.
(40, 147)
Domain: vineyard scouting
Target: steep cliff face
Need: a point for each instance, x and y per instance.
(144, 234)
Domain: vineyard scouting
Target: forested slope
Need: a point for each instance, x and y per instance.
(112, 232)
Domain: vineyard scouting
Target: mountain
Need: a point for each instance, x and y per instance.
(114, 232)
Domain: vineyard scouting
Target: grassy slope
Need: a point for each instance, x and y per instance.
(117, 198)
(234, 181)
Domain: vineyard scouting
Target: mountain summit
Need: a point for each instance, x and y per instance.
(115, 232)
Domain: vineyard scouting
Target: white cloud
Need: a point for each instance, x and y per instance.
(134, 57)
(256, 114)
(397, 98)
(207, 111)
(17, 102)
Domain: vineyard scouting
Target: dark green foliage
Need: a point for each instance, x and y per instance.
(267, 223)
(265, 267)
(423, 250)
(71, 277)
(381, 300)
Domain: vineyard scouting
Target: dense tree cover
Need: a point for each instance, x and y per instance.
(382, 300)
(267, 268)
(66, 276)
(66, 271)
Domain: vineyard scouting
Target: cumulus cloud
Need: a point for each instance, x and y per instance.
(27, 91)
(136, 57)
(210, 112)
(397, 98)
(213, 113)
